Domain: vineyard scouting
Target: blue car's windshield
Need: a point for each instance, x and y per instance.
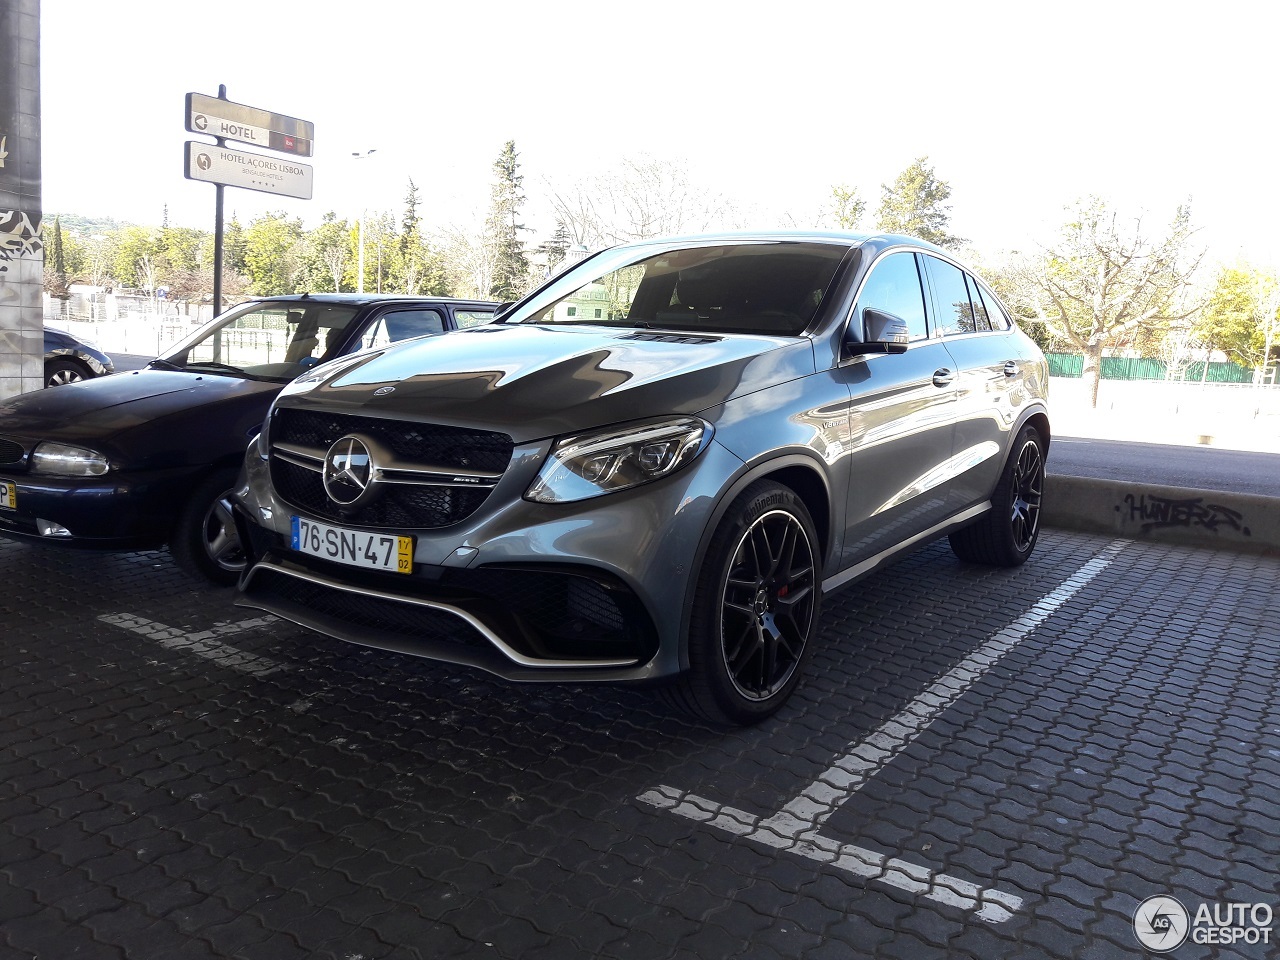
(266, 341)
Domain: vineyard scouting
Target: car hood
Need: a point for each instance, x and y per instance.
(107, 406)
(533, 382)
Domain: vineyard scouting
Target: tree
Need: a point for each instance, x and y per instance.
(1105, 278)
(233, 246)
(556, 249)
(271, 254)
(134, 246)
(502, 228)
(55, 280)
(1240, 313)
(916, 205)
(641, 197)
(1266, 312)
(469, 263)
(415, 267)
(848, 207)
(324, 254)
(97, 259)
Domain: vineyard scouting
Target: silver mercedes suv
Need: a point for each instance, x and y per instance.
(654, 465)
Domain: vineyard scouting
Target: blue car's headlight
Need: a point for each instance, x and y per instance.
(64, 460)
(591, 465)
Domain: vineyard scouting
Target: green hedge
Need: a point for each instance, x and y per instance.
(1145, 368)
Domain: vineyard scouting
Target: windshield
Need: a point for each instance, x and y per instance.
(267, 341)
(749, 287)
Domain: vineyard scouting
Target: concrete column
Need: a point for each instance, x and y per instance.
(21, 253)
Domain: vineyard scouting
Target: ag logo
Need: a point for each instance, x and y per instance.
(1161, 924)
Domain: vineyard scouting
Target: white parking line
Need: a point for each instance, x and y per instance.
(203, 644)
(794, 828)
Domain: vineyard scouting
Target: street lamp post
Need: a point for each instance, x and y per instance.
(361, 155)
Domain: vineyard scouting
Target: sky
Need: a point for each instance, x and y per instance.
(1022, 107)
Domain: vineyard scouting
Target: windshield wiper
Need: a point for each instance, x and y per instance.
(213, 365)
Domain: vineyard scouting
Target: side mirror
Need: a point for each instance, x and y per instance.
(503, 308)
(885, 333)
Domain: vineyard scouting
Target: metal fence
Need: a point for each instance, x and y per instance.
(1148, 368)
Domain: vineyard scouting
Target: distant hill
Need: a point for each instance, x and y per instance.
(86, 226)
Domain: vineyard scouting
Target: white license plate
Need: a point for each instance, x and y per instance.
(357, 548)
(8, 495)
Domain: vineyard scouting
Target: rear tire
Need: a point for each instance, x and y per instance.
(755, 609)
(205, 544)
(1006, 534)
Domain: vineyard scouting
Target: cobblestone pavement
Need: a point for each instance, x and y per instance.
(981, 763)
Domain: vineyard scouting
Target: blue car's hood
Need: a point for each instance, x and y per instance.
(97, 411)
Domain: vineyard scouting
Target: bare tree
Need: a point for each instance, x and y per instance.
(1266, 313)
(1180, 342)
(335, 256)
(469, 262)
(642, 197)
(1106, 277)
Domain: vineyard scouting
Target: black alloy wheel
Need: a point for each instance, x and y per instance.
(1028, 492)
(755, 609)
(767, 605)
(1006, 534)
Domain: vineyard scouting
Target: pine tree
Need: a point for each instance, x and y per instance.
(916, 205)
(502, 229)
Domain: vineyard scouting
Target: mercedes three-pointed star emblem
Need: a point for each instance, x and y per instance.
(348, 471)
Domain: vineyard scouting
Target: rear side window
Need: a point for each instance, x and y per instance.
(951, 298)
(980, 321)
(894, 286)
(995, 313)
(471, 318)
(401, 325)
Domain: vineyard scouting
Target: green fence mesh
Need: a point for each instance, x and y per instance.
(1146, 368)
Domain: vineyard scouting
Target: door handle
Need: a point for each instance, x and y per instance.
(942, 377)
(1011, 368)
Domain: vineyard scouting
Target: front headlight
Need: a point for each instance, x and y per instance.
(617, 459)
(64, 460)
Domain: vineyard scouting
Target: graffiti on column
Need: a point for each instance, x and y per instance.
(1164, 512)
(19, 236)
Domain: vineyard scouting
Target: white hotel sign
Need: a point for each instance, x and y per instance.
(235, 168)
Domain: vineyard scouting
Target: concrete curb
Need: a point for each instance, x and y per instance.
(1243, 522)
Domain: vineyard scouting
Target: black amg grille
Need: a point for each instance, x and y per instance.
(400, 505)
(10, 452)
(424, 443)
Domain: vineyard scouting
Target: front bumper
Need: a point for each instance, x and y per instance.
(585, 591)
(114, 513)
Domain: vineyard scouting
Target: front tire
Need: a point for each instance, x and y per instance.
(755, 609)
(1006, 534)
(205, 544)
(59, 372)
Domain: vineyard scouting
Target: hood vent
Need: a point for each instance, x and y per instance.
(670, 337)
